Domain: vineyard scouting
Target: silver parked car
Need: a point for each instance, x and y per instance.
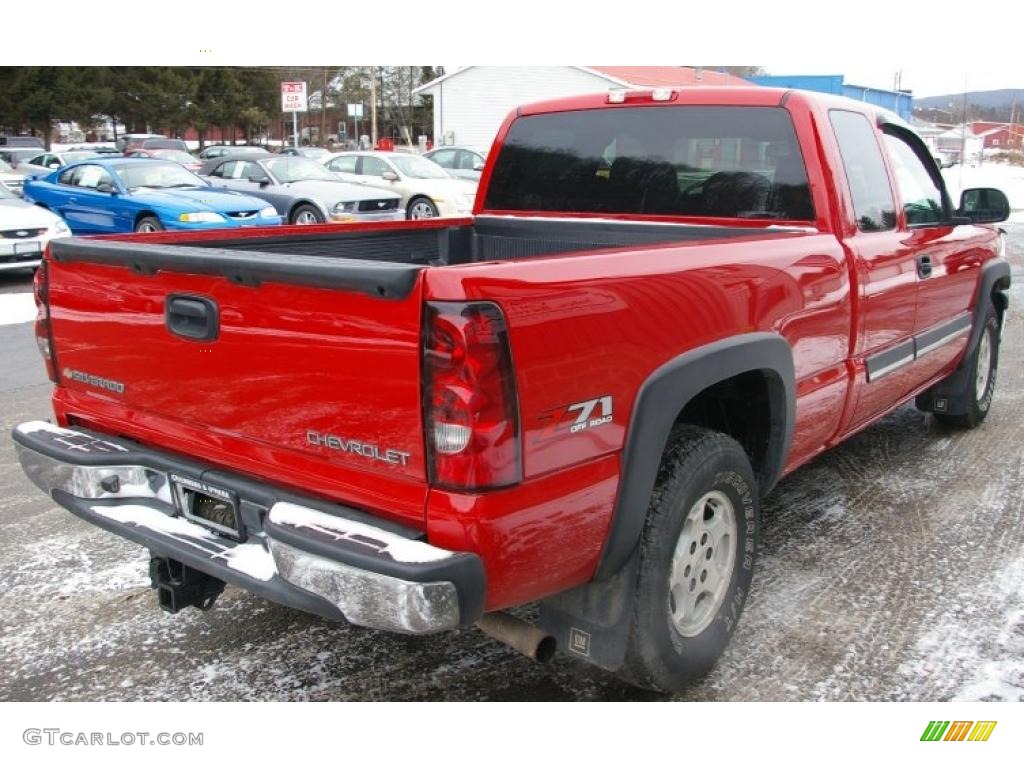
(302, 191)
(461, 162)
(427, 189)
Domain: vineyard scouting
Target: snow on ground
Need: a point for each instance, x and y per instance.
(17, 308)
(960, 640)
(1008, 178)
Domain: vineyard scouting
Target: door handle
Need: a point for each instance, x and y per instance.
(192, 317)
(924, 266)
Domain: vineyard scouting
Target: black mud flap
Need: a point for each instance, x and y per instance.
(178, 586)
(591, 622)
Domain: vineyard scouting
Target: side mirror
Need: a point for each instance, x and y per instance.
(54, 166)
(389, 176)
(261, 180)
(983, 205)
(478, 165)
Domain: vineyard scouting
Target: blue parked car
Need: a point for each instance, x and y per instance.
(100, 195)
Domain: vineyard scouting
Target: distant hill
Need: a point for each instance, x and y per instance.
(986, 99)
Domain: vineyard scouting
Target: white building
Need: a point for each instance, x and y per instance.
(471, 103)
(960, 139)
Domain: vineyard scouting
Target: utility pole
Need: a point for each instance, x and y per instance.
(323, 111)
(1013, 124)
(373, 106)
(963, 135)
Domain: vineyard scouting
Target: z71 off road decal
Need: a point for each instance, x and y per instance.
(577, 417)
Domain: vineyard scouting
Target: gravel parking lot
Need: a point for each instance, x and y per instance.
(892, 568)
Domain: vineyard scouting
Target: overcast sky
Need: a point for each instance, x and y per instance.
(923, 80)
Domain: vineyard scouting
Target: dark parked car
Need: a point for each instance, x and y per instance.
(21, 141)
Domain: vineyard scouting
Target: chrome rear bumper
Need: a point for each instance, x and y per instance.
(322, 558)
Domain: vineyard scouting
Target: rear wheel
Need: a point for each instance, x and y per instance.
(307, 214)
(696, 560)
(980, 383)
(422, 208)
(149, 224)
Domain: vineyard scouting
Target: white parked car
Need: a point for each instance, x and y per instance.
(25, 229)
(46, 163)
(427, 190)
(10, 179)
(461, 162)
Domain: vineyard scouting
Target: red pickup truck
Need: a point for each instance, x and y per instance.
(665, 301)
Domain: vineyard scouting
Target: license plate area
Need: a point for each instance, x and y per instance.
(28, 249)
(207, 505)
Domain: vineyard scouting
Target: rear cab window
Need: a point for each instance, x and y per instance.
(720, 162)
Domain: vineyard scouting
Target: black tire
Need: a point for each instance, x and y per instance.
(149, 224)
(303, 212)
(427, 205)
(699, 465)
(978, 403)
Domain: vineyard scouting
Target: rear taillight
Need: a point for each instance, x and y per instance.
(470, 409)
(44, 338)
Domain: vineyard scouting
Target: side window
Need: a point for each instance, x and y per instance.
(230, 170)
(922, 198)
(466, 160)
(218, 171)
(69, 176)
(252, 171)
(38, 160)
(93, 176)
(344, 164)
(865, 171)
(371, 166)
(445, 158)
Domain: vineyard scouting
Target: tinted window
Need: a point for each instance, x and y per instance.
(68, 177)
(921, 197)
(865, 171)
(732, 162)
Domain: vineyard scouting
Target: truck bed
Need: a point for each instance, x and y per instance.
(382, 259)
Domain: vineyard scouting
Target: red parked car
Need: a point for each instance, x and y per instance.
(171, 155)
(665, 302)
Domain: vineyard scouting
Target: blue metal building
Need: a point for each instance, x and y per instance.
(897, 101)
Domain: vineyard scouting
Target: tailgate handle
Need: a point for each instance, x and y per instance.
(192, 317)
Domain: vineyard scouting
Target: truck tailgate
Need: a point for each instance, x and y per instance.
(317, 388)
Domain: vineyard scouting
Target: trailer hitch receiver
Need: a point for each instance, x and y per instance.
(178, 586)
